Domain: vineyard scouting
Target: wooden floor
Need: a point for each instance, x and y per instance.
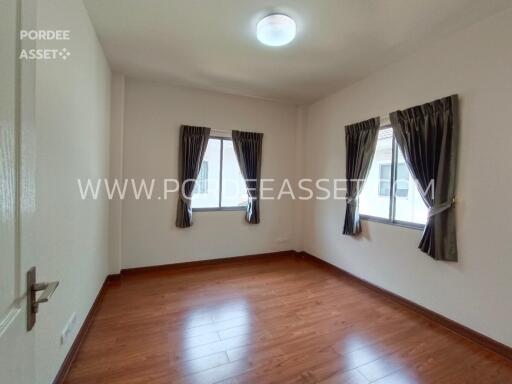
(281, 320)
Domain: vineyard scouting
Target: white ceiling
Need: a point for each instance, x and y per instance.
(211, 44)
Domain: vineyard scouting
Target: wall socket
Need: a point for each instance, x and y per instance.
(68, 329)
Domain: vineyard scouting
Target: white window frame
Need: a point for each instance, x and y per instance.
(220, 207)
(392, 196)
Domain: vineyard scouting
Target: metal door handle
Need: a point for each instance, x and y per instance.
(47, 288)
(32, 301)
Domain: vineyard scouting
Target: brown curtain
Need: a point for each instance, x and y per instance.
(193, 143)
(360, 141)
(428, 137)
(248, 148)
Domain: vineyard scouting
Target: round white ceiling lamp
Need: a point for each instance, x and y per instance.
(276, 30)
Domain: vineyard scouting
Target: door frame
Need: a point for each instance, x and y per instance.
(17, 345)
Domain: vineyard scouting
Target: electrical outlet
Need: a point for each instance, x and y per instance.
(282, 239)
(68, 329)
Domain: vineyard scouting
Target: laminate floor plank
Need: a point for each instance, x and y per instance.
(274, 320)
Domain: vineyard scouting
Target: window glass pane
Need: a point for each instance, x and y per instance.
(202, 179)
(374, 198)
(206, 190)
(402, 180)
(409, 203)
(234, 191)
(385, 179)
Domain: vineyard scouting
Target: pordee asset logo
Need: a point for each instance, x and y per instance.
(44, 53)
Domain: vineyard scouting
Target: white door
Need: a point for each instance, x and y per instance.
(16, 192)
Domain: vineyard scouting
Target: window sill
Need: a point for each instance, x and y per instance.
(214, 209)
(403, 224)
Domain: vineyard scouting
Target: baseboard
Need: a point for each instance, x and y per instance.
(462, 330)
(114, 277)
(70, 357)
(205, 263)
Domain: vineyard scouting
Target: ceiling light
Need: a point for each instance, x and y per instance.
(276, 30)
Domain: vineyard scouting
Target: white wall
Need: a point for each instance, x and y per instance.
(72, 123)
(476, 63)
(153, 115)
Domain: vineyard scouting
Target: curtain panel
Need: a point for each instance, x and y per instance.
(428, 137)
(193, 143)
(360, 141)
(248, 149)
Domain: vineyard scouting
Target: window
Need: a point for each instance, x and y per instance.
(402, 172)
(219, 185)
(389, 173)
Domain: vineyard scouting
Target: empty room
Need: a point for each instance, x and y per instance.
(246, 191)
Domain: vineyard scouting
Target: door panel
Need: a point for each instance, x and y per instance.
(16, 175)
